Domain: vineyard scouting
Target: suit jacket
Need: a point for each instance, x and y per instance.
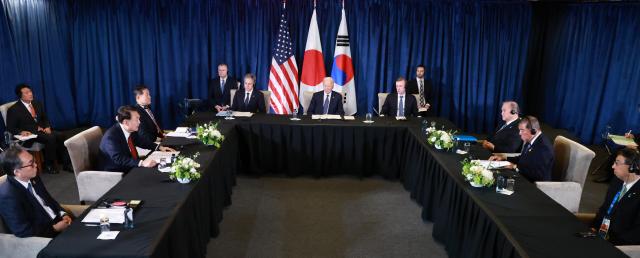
(221, 97)
(148, 129)
(255, 105)
(536, 163)
(390, 106)
(21, 212)
(19, 118)
(624, 228)
(508, 139)
(114, 150)
(317, 102)
(412, 88)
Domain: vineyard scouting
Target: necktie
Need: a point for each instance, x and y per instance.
(401, 106)
(623, 191)
(325, 106)
(222, 86)
(40, 201)
(153, 118)
(132, 148)
(32, 111)
(421, 93)
(246, 99)
(525, 148)
(502, 127)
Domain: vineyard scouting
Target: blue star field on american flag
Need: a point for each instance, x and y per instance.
(284, 49)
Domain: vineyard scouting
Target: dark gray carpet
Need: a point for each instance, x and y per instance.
(331, 217)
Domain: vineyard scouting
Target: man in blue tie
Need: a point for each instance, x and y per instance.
(326, 101)
(26, 207)
(248, 99)
(220, 88)
(399, 103)
(536, 158)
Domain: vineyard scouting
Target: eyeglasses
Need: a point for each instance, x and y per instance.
(31, 164)
(618, 163)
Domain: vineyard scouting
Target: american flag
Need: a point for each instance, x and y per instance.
(283, 76)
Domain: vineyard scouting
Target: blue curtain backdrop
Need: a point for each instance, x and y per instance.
(84, 57)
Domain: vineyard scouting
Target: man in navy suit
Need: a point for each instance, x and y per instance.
(118, 145)
(618, 219)
(220, 89)
(149, 125)
(506, 139)
(421, 86)
(400, 104)
(326, 101)
(536, 158)
(248, 99)
(27, 117)
(26, 207)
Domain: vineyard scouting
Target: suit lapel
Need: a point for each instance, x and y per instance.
(26, 194)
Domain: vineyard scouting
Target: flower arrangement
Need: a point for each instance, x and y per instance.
(439, 139)
(476, 174)
(185, 169)
(209, 134)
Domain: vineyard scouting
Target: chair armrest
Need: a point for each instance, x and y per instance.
(93, 184)
(566, 194)
(12, 246)
(74, 210)
(632, 251)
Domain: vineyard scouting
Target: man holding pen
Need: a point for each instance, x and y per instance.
(609, 171)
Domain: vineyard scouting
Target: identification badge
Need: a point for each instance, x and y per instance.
(604, 228)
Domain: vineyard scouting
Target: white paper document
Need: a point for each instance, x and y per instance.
(109, 235)
(115, 215)
(242, 114)
(492, 164)
(157, 155)
(349, 117)
(25, 138)
(334, 117)
(621, 140)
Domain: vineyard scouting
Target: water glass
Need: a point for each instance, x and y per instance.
(511, 182)
(433, 124)
(294, 115)
(501, 183)
(163, 163)
(367, 117)
(104, 223)
(467, 147)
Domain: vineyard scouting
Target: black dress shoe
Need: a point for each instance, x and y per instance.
(50, 170)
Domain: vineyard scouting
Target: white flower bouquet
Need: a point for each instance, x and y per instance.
(476, 174)
(185, 169)
(209, 134)
(439, 139)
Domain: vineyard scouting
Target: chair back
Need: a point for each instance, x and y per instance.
(306, 100)
(4, 108)
(232, 93)
(3, 228)
(571, 161)
(267, 100)
(381, 98)
(84, 149)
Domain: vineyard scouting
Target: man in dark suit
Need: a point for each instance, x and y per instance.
(118, 145)
(506, 138)
(27, 117)
(400, 104)
(618, 219)
(149, 125)
(612, 148)
(248, 99)
(536, 158)
(326, 101)
(421, 86)
(26, 207)
(220, 89)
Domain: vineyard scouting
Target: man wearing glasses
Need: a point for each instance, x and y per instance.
(26, 207)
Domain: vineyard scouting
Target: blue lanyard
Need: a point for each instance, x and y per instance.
(613, 203)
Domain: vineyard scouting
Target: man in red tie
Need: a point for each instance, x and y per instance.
(149, 124)
(27, 117)
(118, 145)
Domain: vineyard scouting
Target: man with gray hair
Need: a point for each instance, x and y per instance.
(506, 139)
(326, 101)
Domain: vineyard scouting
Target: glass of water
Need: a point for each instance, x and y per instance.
(294, 114)
(367, 117)
(163, 163)
(466, 147)
(433, 124)
(501, 183)
(105, 226)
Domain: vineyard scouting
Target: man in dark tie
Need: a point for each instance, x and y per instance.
(118, 145)
(326, 101)
(149, 124)
(400, 104)
(26, 207)
(422, 87)
(506, 138)
(248, 99)
(27, 117)
(536, 158)
(220, 88)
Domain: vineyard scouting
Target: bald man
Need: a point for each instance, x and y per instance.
(326, 101)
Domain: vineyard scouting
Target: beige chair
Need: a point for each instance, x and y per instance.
(4, 108)
(571, 165)
(36, 148)
(265, 93)
(84, 152)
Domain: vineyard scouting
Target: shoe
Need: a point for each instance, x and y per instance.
(50, 170)
(603, 179)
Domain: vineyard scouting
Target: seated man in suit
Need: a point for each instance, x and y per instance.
(248, 99)
(26, 207)
(536, 158)
(400, 104)
(149, 125)
(618, 219)
(326, 101)
(220, 88)
(118, 145)
(27, 117)
(421, 86)
(506, 139)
